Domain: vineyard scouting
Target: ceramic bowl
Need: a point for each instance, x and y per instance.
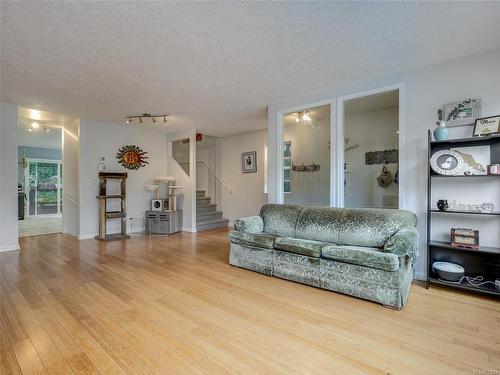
(448, 271)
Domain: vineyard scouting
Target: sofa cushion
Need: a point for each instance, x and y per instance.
(362, 256)
(280, 219)
(299, 246)
(372, 227)
(319, 224)
(253, 239)
(368, 227)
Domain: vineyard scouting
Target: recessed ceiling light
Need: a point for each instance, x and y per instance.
(29, 129)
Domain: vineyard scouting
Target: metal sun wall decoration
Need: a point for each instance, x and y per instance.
(132, 157)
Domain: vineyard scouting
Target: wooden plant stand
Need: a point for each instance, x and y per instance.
(105, 215)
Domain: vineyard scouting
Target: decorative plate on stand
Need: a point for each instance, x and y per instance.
(447, 163)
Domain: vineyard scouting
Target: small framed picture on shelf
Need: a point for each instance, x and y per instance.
(486, 126)
(465, 238)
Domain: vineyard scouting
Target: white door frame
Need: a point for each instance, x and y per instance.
(339, 131)
(279, 144)
(27, 185)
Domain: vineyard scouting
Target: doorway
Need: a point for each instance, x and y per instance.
(41, 202)
(369, 125)
(42, 181)
(306, 150)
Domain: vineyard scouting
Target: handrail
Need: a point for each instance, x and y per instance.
(215, 174)
(68, 197)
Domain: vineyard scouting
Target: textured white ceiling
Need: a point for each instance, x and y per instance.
(216, 65)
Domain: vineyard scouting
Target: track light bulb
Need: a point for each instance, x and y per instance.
(129, 120)
(306, 117)
(155, 121)
(164, 119)
(140, 120)
(35, 125)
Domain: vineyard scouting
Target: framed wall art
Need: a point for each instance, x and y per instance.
(249, 162)
(462, 113)
(487, 126)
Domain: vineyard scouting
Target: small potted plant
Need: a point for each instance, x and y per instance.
(441, 132)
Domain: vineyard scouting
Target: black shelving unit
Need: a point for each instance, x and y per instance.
(486, 260)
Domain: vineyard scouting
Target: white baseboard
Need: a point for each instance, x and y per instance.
(11, 246)
(188, 229)
(86, 236)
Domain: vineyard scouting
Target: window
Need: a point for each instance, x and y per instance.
(287, 167)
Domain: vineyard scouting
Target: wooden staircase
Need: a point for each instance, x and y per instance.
(207, 216)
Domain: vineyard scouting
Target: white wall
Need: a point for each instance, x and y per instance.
(426, 89)
(8, 177)
(247, 195)
(308, 145)
(206, 150)
(187, 198)
(102, 139)
(373, 130)
(71, 178)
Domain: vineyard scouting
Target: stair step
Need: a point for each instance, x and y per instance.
(203, 199)
(207, 208)
(204, 204)
(212, 224)
(200, 194)
(206, 216)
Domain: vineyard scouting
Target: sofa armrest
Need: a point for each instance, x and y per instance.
(404, 243)
(251, 224)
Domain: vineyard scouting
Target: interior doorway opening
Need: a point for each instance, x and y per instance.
(306, 150)
(371, 150)
(40, 171)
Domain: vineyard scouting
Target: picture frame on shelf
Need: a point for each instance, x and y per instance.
(476, 159)
(249, 162)
(486, 126)
(462, 113)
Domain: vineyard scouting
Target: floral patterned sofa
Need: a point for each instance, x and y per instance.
(366, 253)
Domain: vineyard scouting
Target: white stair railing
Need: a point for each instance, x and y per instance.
(216, 175)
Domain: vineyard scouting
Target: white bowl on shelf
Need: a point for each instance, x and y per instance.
(448, 271)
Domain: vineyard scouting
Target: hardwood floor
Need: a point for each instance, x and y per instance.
(173, 305)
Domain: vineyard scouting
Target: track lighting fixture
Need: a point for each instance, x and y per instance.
(36, 126)
(154, 118)
(305, 117)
